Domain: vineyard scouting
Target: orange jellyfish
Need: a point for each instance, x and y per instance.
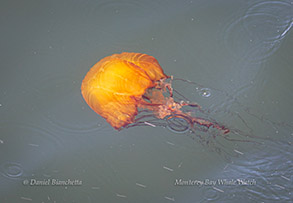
(122, 87)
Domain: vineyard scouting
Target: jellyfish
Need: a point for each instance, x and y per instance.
(128, 88)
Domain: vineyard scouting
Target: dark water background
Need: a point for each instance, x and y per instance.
(240, 50)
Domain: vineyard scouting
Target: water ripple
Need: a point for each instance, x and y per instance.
(11, 170)
(33, 145)
(258, 34)
(271, 168)
(211, 195)
(78, 127)
(178, 124)
(205, 92)
(269, 20)
(60, 104)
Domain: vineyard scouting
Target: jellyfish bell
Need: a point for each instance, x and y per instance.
(114, 86)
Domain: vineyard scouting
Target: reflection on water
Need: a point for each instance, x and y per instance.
(235, 50)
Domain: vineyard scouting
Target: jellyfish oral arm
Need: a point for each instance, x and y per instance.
(208, 124)
(163, 85)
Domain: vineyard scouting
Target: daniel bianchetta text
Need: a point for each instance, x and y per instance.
(208, 182)
(52, 182)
